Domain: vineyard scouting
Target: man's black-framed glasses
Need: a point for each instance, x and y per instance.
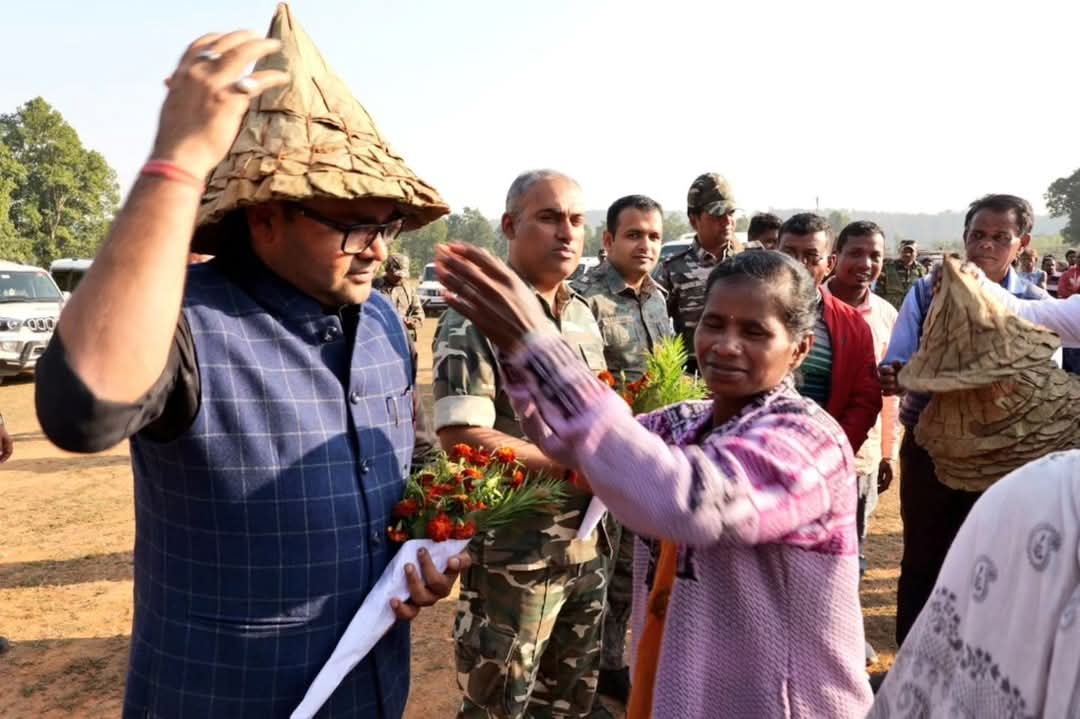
(357, 237)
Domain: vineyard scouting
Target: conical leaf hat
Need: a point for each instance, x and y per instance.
(310, 138)
(1000, 400)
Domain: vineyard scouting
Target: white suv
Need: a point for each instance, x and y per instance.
(30, 303)
(431, 290)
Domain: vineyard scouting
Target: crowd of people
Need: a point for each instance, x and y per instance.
(270, 399)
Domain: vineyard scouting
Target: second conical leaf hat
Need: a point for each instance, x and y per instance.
(310, 138)
(1000, 400)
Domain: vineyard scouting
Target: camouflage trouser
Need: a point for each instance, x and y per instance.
(619, 598)
(528, 642)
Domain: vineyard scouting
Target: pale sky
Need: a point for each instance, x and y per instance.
(915, 106)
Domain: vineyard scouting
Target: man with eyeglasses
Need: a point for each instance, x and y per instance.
(268, 394)
(710, 205)
(839, 372)
(996, 229)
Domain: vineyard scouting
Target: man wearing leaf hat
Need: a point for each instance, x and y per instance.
(268, 394)
(996, 228)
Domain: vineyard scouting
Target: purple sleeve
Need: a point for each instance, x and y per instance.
(767, 484)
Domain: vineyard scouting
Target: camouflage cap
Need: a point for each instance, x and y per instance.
(710, 193)
(397, 262)
(907, 243)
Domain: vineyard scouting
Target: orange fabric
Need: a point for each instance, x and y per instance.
(648, 654)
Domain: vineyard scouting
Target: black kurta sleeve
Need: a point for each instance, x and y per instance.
(78, 421)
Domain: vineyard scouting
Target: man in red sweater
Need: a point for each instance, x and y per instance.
(1069, 280)
(840, 373)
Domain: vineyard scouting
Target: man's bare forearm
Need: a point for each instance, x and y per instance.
(527, 452)
(119, 325)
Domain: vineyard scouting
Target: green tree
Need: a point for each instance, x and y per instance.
(419, 245)
(472, 227)
(12, 174)
(838, 220)
(675, 225)
(1063, 200)
(594, 240)
(67, 195)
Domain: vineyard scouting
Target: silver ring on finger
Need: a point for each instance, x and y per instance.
(208, 56)
(245, 85)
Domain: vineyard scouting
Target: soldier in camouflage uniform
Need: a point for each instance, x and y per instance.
(710, 205)
(406, 301)
(631, 310)
(527, 630)
(897, 276)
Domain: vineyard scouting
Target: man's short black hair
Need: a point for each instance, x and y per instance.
(761, 223)
(859, 228)
(806, 223)
(638, 202)
(1023, 215)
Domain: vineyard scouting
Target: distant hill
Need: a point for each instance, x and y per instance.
(931, 231)
(942, 229)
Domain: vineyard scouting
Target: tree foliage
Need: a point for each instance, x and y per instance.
(594, 240)
(419, 245)
(56, 197)
(675, 225)
(468, 226)
(838, 220)
(471, 227)
(12, 174)
(1063, 200)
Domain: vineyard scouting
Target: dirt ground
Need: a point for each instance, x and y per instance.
(65, 578)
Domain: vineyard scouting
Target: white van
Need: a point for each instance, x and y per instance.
(68, 273)
(30, 303)
(585, 264)
(431, 291)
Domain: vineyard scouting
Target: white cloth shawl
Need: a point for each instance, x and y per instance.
(1000, 636)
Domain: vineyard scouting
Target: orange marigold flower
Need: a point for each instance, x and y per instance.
(518, 479)
(441, 490)
(440, 528)
(505, 455)
(472, 473)
(628, 398)
(464, 531)
(481, 458)
(396, 535)
(426, 480)
(577, 480)
(406, 508)
(475, 506)
(461, 452)
(607, 378)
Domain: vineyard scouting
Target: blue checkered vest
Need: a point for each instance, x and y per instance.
(260, 530)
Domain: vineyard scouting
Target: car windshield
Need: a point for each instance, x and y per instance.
(671, 248)
(429, 274)
(68, 280)
(27, 287)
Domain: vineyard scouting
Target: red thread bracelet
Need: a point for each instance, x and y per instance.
(169, 171)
